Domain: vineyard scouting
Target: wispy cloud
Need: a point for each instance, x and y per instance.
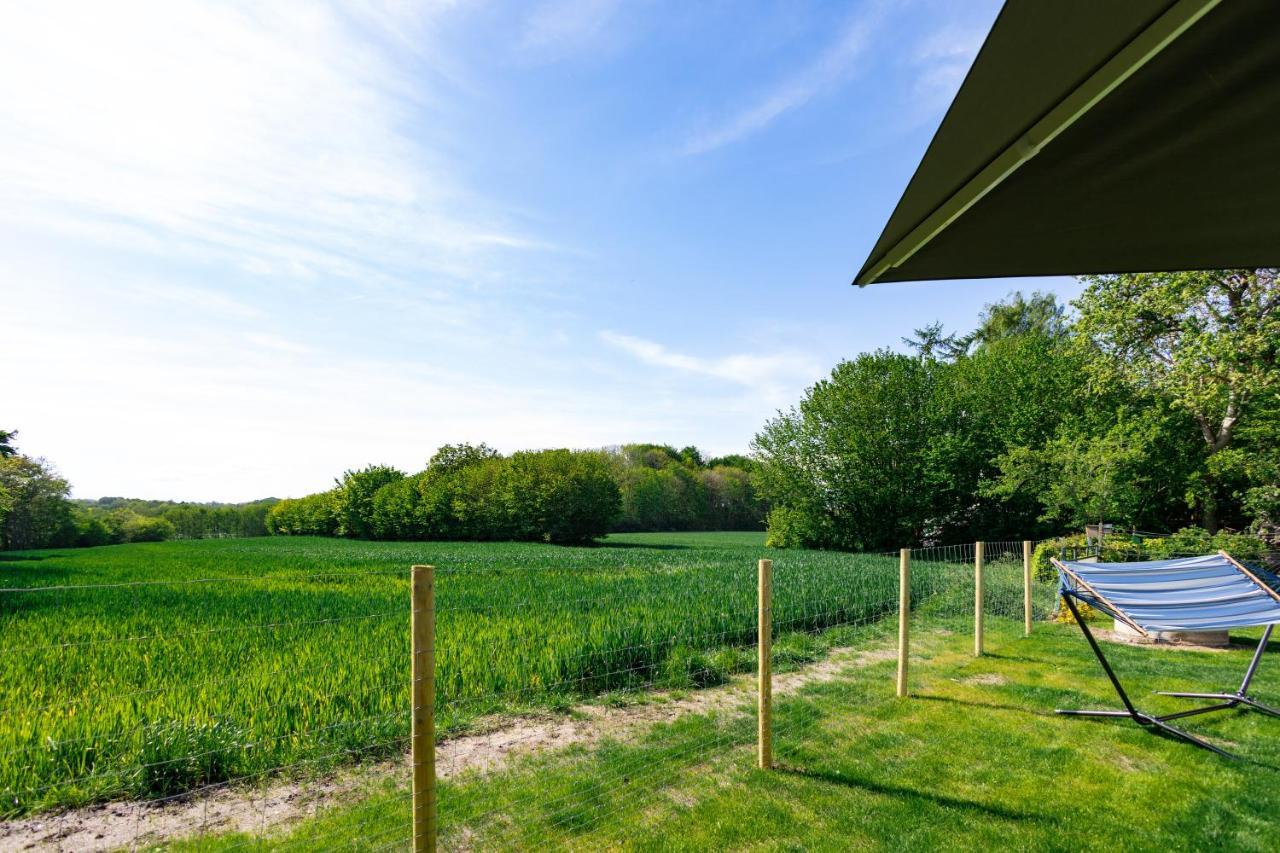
(942, 59)
(273, 136)
(830, 68)
(763, 372)
(194, 298)
(556, 27)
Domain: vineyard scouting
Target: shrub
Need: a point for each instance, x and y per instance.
(142, 528)
(788, 527)
(1121, 547)
(313, 515)
(92, 531)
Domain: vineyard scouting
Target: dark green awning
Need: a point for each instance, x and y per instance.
(1100, 136)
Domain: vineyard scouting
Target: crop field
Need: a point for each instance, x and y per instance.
(152, 670)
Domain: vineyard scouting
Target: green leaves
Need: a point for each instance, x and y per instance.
(1208, 340)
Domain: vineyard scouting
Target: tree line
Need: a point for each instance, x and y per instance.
(110, 520)
(36, 511)
(472, 492)
(1151, 403)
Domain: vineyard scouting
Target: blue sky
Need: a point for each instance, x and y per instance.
(245, 247)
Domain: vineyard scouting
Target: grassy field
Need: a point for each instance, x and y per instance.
(155, 669)
(974, 760)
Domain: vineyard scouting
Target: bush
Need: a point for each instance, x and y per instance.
(142, 528)
(1121, 547)
(788, 527)
(92, 531)
(313, 515)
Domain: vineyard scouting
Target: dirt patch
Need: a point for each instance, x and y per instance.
(131, 824)
(1172, 645)
(280, 805)
(985, 679)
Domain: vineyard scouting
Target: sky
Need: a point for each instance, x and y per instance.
(244, 247)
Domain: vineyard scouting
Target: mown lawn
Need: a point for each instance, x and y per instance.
(975, 759)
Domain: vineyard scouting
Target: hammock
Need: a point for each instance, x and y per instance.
(1212, 592)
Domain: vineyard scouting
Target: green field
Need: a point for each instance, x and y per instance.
(975, 759)
(151, 670)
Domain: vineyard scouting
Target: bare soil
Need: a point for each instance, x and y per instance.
(278, 805)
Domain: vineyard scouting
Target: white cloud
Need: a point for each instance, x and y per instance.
(831, 67)
(193, 298)
(765, 373)
(556, 27)
(277, 137)
(275, 343)
(201, 416)
(942, 59)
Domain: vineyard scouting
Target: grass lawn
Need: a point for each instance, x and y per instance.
(975, 759)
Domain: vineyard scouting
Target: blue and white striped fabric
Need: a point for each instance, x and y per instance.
(1187, 594)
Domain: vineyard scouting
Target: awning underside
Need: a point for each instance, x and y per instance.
(1177, 167)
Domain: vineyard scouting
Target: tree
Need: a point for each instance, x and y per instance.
(354, 495)
(1205, 341)
(930, 342)
(848, 467)
(145, 528)
(6, 443)
(1014, 316)
(452, 457)
(691, 456)
(34, 505)
(1011, 392)
(313, 515)
(1037, 314)
(1078, 479)
(561, 496)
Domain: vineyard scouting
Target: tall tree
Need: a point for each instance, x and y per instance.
(34, 510)
(1038, 314)
(6, 443)
(932, 342)
(849, 466)
(1206, 341)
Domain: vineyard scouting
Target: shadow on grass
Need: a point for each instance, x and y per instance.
(1051, 661)
(993, 706)
(642, 546)
(911, 793)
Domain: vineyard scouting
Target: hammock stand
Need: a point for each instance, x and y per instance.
(1198, 593)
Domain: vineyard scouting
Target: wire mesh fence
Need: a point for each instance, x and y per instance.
(144, 709)
(566, 694)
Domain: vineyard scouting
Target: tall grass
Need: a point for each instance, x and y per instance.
(152, 670)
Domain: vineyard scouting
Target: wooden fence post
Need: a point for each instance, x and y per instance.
(904, 617)
(423, 735)
(1026, 587)
(765, 652)
(977, 599)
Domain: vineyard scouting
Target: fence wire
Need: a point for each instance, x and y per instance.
(138, 712)
(576, 699)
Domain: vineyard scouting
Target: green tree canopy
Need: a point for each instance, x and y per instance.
(34, 510)
(849, 466)
(354, 497)
(1038, 314)
(1206, 342)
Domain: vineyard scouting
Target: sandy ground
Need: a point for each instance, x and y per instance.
(278, 805)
